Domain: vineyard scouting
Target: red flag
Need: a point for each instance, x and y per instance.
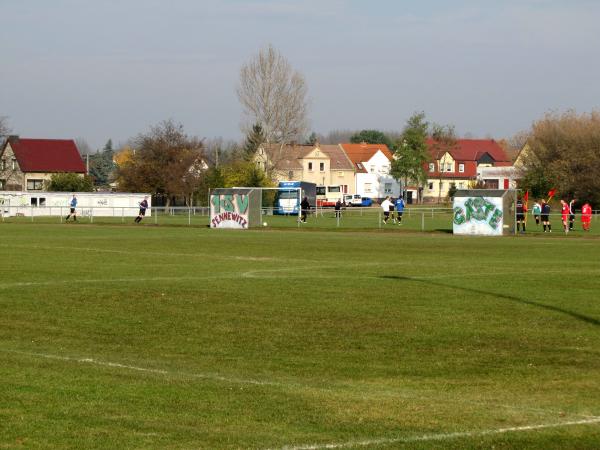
(526, 197)
(551, 193)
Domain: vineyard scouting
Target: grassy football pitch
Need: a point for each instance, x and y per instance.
(176, 337)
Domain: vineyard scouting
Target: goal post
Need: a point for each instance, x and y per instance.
(243, 207)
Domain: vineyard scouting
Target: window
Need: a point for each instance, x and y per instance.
(3, 165)
(42, 201)
(449, 167)
(310, 166)
(35, 185)
(461, 168)
(368, 188)
(430, 186)
(372, 169)
(14, 164)
(461, 185)
(322, 167)
(387, 188)
(491, 184)
(321, 190)
(431, 167)
(2, 183)
(360, 166)
(33, 201)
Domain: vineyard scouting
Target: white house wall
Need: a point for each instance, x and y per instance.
(377, 177)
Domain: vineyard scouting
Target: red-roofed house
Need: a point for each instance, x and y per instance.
(372, 164)
(462, 164)
(28, 164)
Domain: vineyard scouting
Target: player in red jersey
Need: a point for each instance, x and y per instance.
(565, 211)
(586, 216)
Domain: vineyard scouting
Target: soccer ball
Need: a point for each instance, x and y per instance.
(265, 224)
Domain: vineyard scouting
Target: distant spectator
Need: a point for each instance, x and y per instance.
(338, 208)
(73, 210)
(305, 207)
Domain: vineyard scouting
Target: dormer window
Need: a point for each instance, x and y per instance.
(449, 167)
(431, 167)
(461, 168)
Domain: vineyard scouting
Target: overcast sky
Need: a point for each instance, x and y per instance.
(111, 68)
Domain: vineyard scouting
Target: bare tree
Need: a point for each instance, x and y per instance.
(4, 128)
(273, 95)
(444, 140)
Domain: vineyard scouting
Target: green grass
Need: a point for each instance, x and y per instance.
(177, 337)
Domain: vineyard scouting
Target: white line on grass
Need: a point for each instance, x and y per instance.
(441, 436)
(92, 361)
(233, 380)
(162, 254)
(114, 280)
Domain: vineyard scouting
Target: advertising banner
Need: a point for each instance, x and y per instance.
(229, 210)
(478, 216)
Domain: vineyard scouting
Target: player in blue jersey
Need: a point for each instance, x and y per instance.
(399, 209)
(73, 210)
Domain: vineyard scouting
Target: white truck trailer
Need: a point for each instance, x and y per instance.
(98, 204)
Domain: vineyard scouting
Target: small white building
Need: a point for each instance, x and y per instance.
(501, 177)
(372, 165)
(96, 204)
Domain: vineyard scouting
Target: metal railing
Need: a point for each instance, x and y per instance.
(413, 218)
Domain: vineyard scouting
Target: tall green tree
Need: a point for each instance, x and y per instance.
(102, 165)
(254, 139)
(70, 182)
(312, 139)
(371, 137)
(410, 153)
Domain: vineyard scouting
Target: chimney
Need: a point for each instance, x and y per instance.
(13, 138)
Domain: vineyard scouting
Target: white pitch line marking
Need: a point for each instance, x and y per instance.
(96, 362)
(289, 385)
(442, 436)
